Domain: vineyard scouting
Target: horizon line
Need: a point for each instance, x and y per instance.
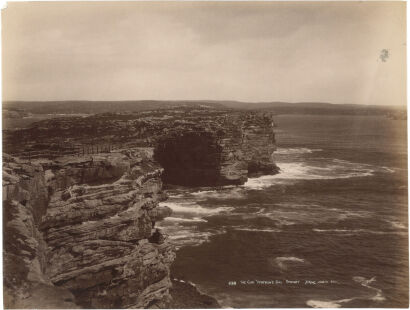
(205, 100)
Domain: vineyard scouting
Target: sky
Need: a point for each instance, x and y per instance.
(337, 52)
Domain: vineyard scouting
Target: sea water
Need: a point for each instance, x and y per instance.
(329, 231)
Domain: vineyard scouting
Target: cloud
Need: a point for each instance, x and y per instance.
(263, 51)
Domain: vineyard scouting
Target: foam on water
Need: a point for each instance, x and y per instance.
(310, 213)
(322, 304)
(186, 237)
(338, 303)
(257, 229)
(180, 219)
(295, 171)
(356, 231)
(226, 192)
(397, 224)
(182, 225)
(192, 208)
(365, 282)
(287, 212)
(296, 150)
(282, 260)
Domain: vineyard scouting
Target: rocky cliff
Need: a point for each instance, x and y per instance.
(194, 146)
(80, 201)
(82, 226)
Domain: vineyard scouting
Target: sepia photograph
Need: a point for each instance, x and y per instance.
(204, 154)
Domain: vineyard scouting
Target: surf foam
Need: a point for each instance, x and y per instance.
(355, 231)
(282, 260)
(257, 229)
(301, 171)
(296, 150)
(338, 303)
(193, 208)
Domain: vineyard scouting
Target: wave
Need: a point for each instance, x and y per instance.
(379, 169)
(296, 150)
(365, 282)
(283, 260)
(346, 214)
(257, 229)
(182, 225)
(286, 214)
(180, 219)
(185, 237)
(356, 231)
(396, 224)
(338, 303)
(193, 208)
(322, 304)
(227, 192)
(302, 171)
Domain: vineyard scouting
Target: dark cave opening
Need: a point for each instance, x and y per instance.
(189, 159)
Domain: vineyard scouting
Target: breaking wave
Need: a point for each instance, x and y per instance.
(356, 231)
(338, 303)
(181, 219)
(283, 261)
(193, 208)
(257, 229)
(397, 224)
(296, 150)
(301, 171)
(226, 192)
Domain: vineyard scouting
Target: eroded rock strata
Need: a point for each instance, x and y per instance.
(194, 146)
(80, 201)
(83, 224)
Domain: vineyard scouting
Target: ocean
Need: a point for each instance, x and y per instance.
(331, 230)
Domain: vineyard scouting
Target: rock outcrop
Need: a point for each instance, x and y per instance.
(78, 228)
(81, 194)
(195, 147)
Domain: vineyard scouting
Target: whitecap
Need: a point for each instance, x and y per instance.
(224, 193)
(193, 208)
(356, 231)
(396, 224)
(282, 260)
(180, 236)
(180, 219)
(301, 171)
(365, 282)
(337, 303)
(257, 229)
(260, 211)
(189, 237)
(297, 150)
(387, 169)
(259, 183)
(322, 304)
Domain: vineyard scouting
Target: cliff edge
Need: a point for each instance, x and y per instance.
(80, 202)
(79, 229)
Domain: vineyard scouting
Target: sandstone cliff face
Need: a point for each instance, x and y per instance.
(90, 236)
(259, 145)
(80, 200)
(218, 150)
(24, 254)
(195, 147)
